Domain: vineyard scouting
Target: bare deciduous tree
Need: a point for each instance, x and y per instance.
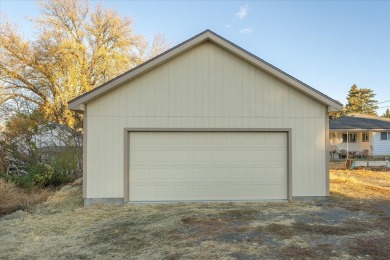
(75, 49)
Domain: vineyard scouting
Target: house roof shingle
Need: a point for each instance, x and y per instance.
(359, 121)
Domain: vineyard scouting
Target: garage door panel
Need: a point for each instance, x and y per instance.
(200, 156)
(180, 155)
(259, 190)
(180, 191)
(274, 190)
(179, 174)
(219, 156)
(275, 156)
(238, 156)
(180, 139)
(257, 173)
(169, 166)
(140, 174)
(140, 192)
(277, 173)
(219, 139)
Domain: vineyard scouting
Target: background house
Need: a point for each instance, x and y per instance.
(356, 133)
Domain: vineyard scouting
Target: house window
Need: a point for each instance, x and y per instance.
(365, 137)
(351, 138)
(385, 135)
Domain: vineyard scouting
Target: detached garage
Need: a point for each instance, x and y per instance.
(204, 121)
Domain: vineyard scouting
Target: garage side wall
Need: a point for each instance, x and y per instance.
(206, 87)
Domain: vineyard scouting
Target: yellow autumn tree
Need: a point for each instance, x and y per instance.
(74, 50)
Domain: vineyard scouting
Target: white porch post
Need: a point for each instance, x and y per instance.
(347, 145)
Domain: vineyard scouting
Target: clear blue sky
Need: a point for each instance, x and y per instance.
(329, 45)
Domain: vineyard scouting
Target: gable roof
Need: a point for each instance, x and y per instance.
(79, 102)
(359, 122)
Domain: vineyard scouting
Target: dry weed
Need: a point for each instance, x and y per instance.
(13, 198)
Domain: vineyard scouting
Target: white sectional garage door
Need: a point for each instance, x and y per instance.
(192, 166)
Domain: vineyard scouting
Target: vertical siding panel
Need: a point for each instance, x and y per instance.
(171, 89)
(136, 121)
(138, 99)
(92, 157)
(298, 156)
(312, 111)
(205, 80)
(307, 156)
(305, 159)
(184, 74)
(198, 84)
(212, 87)
(104, 184)
(245, 90)
(151, 100)
(178, 87)
(218, 84)
(199, 88)
(118, 187)
(313, 151)
(320, 156)
(297, 103)
(272, 98)
(143, 121)
(165, 91)
(191, 85)
(232, 88)
(225, 87)
(129, 121)
(266, 95)
(157, 92)
(143, 96)
(252, 92)
(105, 124)
(94, 109)
(292, 103)
(278, 104)
(107, 106)
(258, 92)
(238, 91)
(129, 93)
(123, 104)
(305, 106)
(285, 101)
(115, 155)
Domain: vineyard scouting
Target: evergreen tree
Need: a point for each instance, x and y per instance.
(361, 100)
(387, 113)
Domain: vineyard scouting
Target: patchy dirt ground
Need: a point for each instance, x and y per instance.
(354, 222)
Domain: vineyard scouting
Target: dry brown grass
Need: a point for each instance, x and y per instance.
(361, 184)
(13, 198)
(349, 225)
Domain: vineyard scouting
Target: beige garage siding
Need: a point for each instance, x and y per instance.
(206, 87)
(191, 166)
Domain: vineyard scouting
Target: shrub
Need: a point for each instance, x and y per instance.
(13, 198)
(61, 170)
(37, 153)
